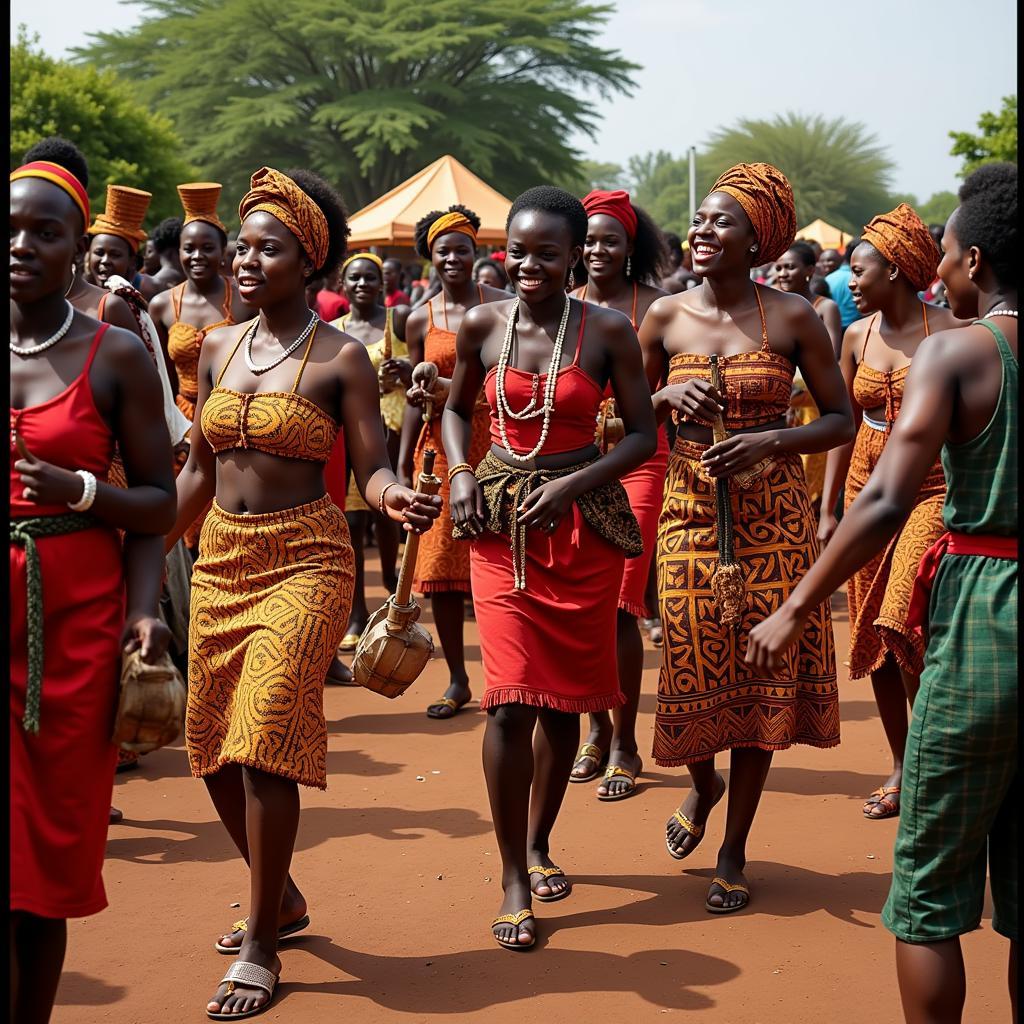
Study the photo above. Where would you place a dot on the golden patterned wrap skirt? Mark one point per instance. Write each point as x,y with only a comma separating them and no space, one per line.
271,596
709,699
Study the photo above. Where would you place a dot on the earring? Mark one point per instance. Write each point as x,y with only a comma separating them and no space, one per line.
753,248
572,280
970,274
629,266
74,272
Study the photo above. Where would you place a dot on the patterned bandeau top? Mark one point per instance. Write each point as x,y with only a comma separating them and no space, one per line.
882,388
185,340
281,423
757,384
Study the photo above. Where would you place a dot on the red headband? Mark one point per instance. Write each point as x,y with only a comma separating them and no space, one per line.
615,204
59,176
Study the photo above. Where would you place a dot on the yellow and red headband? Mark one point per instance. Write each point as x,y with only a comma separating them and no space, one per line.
275,193
371,256
59,176
449,222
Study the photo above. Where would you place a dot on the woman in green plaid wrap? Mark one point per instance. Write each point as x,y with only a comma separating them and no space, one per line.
960,784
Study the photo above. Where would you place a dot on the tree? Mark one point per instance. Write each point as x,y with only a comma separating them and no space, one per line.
997,139
367,94
837,170
594,174
938,208
123,142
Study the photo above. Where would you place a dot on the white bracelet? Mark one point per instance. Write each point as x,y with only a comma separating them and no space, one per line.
84,503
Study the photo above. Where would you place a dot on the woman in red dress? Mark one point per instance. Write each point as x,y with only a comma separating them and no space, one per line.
77,596
550,526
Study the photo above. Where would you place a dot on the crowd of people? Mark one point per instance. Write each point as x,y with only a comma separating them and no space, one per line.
700,439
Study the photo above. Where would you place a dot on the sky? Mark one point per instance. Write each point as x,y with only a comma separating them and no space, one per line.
909,70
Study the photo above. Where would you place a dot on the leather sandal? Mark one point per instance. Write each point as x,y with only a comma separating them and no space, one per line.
726,887
697,831
593,751
556,895
250,976
890,807
514,919
617,771
349,642
283,932
445,702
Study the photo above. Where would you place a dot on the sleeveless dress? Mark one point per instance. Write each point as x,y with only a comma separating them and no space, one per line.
62,778
271,594
879,593
960,802
709,698
443,563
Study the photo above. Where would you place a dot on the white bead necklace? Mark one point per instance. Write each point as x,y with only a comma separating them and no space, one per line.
255,367
530,411
34,350
1000,312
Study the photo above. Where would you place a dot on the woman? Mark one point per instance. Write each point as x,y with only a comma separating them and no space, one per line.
78,387
184,315
959,793
550,527
448,240
887,269
380,329
624,251
794,272
271,588
116,234
708,699
490,272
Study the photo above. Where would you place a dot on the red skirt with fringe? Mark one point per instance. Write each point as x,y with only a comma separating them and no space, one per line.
551,645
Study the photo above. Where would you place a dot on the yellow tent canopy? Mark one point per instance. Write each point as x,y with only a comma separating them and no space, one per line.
390,220
825,235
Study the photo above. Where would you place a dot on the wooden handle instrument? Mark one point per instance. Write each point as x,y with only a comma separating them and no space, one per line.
427,374
385,356
727,580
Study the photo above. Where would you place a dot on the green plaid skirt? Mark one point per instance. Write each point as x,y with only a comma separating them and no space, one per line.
959,801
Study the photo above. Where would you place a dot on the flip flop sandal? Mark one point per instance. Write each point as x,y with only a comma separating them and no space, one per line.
614,771
593,751
549,873
249,976
514,919
891,808
446,702
284,932
727,887
697,831
349,642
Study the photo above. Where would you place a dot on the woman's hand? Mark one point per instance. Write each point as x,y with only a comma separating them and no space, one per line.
694,398
545,507
739,452
827,524
416,512
466,501
395,373
769,640
44,483
147,635
418,394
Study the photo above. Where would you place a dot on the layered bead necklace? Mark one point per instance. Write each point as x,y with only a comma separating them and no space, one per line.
34,350
255,367
531,410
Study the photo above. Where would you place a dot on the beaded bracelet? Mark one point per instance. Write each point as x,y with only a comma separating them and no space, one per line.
380,497
462,467
84,503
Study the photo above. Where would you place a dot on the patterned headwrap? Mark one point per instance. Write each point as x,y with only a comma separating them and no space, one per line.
615,204
447,222
125,210
59,176
904,239
766,196
279,196
371,256
199,201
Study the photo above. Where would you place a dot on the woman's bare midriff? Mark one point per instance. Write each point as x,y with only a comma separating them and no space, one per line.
700,434
255,483
561,460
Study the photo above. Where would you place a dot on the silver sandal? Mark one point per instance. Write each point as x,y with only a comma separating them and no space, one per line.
251,976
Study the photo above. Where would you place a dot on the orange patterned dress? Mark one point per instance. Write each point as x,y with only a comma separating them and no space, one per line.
879,593
183,344
443,563
709,698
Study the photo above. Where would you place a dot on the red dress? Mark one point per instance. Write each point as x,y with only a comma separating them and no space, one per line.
551,645
62,779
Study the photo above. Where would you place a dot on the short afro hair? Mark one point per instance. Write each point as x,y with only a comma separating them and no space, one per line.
556,201
62,153
495,265
166,235
649,262
804,253
987,217
422,228
333,209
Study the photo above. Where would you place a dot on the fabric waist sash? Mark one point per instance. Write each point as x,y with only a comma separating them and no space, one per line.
23,534
950,543
605,509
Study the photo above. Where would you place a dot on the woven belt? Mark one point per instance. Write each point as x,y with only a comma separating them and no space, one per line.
23,534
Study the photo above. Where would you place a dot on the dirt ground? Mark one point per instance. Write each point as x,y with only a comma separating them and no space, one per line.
399,865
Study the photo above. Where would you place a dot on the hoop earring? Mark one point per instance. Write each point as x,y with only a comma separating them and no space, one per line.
74,273
629,267
572,280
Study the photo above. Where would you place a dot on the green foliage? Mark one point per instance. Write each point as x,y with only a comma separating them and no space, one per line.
123,142
996,140
938,208
367,94
837,170
594,174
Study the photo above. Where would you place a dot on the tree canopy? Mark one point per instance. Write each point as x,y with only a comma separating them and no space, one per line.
995,140
122,141
367,94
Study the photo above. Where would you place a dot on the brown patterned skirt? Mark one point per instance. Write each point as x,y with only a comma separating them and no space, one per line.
879,593
271,596
709,699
